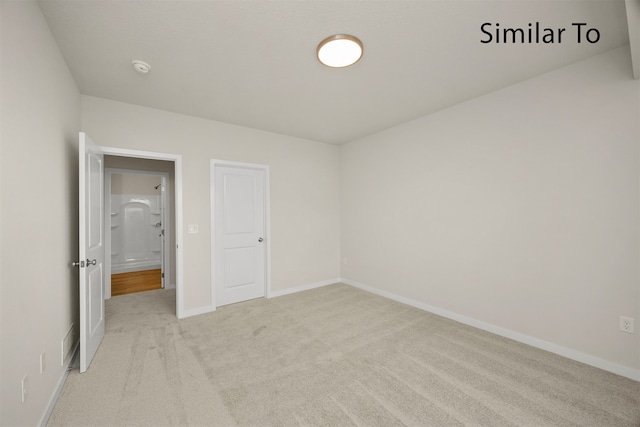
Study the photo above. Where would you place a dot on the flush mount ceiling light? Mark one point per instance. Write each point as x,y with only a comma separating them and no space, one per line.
340,50
141,66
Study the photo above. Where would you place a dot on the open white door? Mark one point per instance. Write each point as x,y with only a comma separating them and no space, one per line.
91,249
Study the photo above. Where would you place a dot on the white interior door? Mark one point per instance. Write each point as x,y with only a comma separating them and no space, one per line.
239,222
91,249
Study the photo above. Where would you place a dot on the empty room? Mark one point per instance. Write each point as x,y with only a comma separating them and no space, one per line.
366,213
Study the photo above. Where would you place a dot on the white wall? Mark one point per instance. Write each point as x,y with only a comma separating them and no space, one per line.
40,112
518,209
305,191
135,183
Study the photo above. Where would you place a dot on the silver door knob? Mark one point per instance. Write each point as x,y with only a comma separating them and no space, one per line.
260,239
91,262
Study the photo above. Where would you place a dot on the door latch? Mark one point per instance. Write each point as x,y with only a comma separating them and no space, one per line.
81,264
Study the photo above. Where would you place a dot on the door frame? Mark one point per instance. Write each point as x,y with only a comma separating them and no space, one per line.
215,163
177,220
166,224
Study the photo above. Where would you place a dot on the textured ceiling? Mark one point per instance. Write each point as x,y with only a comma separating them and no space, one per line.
252,63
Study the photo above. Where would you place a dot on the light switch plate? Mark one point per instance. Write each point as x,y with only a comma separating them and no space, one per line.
193,228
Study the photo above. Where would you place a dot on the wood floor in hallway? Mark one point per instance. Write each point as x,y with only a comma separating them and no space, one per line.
137,281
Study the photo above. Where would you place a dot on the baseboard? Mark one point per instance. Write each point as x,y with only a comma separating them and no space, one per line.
197,311
578,356
274,294
270,294
56,393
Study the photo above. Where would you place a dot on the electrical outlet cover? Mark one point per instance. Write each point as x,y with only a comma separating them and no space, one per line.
626,325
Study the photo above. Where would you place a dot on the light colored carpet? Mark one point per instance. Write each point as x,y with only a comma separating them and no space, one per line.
333,356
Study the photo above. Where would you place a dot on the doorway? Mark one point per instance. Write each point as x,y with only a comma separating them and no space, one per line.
138,227
167,168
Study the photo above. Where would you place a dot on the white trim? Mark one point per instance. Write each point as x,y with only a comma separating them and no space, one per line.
267,219
107,234
56,393
165,197
177,161
197,311
578,356
301,288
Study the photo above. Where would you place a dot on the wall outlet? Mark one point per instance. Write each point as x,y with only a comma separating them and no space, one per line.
43,362
626,325
25,387
193,228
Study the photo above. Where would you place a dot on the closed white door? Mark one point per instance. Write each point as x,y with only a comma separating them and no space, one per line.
239,223
91,249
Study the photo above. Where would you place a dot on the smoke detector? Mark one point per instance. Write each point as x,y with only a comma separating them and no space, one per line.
141,66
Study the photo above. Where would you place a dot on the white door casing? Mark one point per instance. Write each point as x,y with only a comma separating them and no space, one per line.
176,220
239,232
91,249
164,253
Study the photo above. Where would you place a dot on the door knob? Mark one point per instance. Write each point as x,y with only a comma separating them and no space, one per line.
260,239
91,262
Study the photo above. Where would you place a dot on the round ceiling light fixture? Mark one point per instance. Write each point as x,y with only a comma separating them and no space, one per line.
340,50
141,66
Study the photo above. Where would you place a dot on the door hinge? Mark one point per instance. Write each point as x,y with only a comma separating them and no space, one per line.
163,275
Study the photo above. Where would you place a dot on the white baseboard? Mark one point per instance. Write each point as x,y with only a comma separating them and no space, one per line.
197,311
270,294
274,294
578,356
56,393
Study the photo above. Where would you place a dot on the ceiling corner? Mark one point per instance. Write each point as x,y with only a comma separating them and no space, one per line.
633,22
